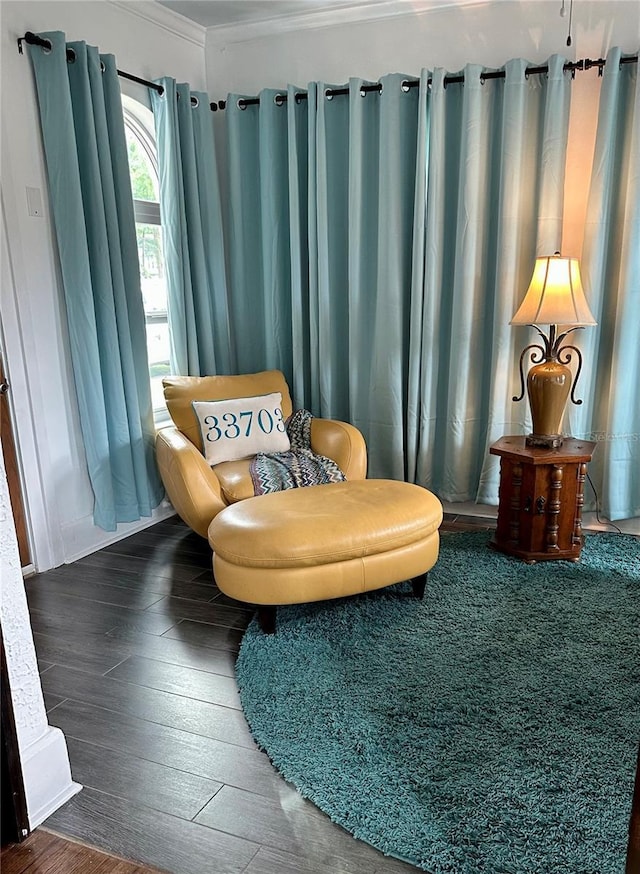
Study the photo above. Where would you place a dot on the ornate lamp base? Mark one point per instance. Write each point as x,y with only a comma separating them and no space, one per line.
548,387
545,441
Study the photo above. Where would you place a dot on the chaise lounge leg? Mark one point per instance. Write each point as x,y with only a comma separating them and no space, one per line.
418,584
267,618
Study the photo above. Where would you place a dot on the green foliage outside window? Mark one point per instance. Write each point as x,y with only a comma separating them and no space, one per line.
149,251
141,179
143,187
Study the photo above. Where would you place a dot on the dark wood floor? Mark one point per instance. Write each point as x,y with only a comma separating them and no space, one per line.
46,853
136,648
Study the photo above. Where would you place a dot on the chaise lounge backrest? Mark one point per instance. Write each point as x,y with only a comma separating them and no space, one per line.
199,491
181,391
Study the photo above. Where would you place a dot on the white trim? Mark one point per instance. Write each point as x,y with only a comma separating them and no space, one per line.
470,508
147,212
165,18
79,533
44,761
228,34
47,776
45,544
140,122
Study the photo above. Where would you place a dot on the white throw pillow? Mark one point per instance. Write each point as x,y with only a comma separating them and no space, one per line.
241,427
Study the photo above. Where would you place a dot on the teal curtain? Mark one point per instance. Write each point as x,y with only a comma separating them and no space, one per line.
398,237
198,312
92,206
495,182
366,175
322,200
300,153
259,239
610,265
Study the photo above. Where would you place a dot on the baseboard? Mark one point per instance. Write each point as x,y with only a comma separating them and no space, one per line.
464,509
83,538
47,776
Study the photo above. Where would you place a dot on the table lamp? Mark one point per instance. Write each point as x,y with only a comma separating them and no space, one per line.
555,297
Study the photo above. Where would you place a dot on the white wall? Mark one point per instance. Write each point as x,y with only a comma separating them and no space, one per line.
246,59
33,338
489,33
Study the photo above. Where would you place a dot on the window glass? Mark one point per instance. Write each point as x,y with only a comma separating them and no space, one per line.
143,168
144,175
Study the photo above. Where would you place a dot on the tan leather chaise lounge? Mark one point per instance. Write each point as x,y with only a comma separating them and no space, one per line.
328,541
199,492
302,544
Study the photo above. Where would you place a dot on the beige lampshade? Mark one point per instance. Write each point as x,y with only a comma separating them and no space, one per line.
555,295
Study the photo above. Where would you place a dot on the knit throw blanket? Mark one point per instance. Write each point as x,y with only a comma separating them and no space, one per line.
299,467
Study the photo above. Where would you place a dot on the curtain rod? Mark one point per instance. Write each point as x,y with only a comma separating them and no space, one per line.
33,39
407,84
571,66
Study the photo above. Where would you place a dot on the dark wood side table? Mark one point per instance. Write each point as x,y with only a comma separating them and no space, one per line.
540,499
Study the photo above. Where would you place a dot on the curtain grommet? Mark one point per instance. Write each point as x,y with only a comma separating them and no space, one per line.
71,56
241,104
328,94
195,101
405,87
278,99
102,67
48,48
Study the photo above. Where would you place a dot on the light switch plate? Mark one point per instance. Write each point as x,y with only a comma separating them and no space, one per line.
34,202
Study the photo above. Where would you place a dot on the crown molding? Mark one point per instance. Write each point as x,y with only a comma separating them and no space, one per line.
165,18
227,34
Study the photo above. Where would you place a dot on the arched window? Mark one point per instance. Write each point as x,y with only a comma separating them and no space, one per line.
143,169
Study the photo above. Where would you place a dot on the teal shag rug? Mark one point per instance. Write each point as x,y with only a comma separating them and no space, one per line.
492,727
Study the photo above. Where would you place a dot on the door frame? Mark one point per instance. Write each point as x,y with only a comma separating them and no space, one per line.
16,348
15,819
12,468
